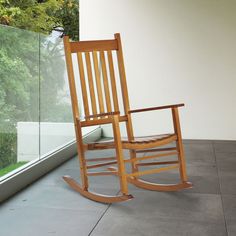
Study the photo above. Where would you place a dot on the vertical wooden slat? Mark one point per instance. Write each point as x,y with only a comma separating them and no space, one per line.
71,78
105,81
98,82
83,84
74,101
91,85
113,81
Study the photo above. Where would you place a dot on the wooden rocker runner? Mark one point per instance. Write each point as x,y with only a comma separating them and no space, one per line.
98,82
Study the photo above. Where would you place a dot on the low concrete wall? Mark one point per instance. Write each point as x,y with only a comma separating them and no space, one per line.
36,139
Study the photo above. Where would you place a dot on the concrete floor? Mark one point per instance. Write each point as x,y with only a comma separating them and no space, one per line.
50,207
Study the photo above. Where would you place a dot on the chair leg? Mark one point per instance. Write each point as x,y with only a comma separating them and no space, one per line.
130,134
181,158
119,155
81,157
179,145
83,188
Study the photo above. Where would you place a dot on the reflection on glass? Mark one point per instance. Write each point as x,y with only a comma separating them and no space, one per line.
56,121
19,98
35,107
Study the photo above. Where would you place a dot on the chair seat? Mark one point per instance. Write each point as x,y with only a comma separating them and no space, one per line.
138,142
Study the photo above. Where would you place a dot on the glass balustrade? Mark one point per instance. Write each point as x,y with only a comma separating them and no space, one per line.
35,107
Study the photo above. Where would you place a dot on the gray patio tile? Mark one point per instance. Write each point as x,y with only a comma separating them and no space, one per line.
175,205
202,170
144,225
226,164
54,197
73,163
224,146
50,207
227,183
199,153
54,178
231,227
40,221
197,141
227,175
226,161
229,204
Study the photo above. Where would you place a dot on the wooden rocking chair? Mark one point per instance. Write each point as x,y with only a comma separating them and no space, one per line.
103,87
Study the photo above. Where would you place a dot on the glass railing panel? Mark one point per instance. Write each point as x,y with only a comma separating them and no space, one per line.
35,105
19,98
56,120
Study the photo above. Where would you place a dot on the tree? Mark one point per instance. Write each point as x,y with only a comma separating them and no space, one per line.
31,63
19,55
42,16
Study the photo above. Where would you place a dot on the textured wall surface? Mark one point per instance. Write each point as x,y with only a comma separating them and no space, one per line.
175,51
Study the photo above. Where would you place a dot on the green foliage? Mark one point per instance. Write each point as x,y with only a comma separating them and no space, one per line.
14,95
19,74
69,16
8,149
42,16
32,64
7,12
52,104
11,167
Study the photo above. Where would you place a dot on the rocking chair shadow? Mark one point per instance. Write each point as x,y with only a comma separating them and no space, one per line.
98,81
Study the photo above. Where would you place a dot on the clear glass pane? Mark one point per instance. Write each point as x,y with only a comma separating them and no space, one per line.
56,121
35,105
19,98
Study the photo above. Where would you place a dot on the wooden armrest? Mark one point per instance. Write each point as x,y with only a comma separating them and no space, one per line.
156,108
103,114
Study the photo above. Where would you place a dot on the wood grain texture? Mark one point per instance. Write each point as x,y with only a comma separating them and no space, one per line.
75,111
119,155
83,83
151,157
101,164
113,80
156,108
179,144
105,81
159,187
95,45
91,84
95,196
98,82
152,171
105,109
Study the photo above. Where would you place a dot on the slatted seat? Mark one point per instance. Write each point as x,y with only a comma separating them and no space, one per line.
136,143
99,77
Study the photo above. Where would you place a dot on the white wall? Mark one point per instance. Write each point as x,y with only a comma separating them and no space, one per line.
175,51
31,143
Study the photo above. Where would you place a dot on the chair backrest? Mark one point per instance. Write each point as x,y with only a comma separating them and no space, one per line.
98,77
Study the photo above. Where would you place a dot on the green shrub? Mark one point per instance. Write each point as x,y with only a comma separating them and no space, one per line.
8,149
